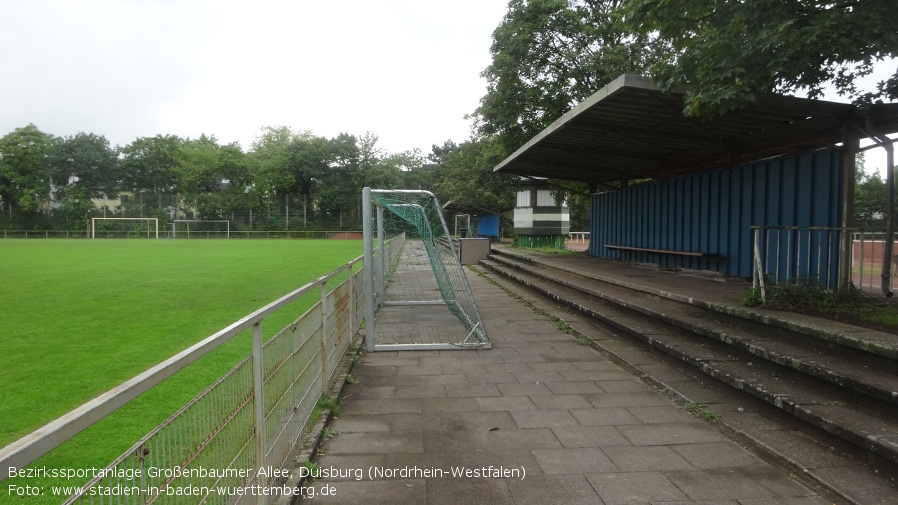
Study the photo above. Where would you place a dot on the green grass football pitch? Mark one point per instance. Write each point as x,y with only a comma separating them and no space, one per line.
78,317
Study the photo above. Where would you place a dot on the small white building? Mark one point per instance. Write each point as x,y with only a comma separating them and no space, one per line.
538,220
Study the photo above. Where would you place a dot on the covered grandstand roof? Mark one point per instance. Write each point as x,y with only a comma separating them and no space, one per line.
630,129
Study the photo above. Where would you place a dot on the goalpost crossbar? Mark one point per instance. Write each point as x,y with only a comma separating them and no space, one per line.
93,223
188,221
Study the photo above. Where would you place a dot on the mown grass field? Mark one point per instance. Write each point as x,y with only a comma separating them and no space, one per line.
78,317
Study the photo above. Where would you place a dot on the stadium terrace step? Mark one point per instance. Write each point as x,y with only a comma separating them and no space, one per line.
844,390
869,341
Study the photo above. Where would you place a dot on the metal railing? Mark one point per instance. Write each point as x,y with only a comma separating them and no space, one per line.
796,255
867,255
251,418
578,236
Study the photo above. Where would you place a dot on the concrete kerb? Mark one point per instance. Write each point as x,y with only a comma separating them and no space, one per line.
834,332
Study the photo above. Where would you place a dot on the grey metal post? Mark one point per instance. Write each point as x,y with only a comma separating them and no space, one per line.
382,254
351,334
259,404
324,368
850,146
368,272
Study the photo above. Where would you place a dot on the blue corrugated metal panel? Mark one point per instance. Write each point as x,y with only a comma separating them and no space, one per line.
488,225
713,213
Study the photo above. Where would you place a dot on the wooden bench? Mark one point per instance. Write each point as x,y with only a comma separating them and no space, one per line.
700,255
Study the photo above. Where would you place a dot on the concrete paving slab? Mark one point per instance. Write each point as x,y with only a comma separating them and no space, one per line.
573,387
560,401
377,443
644,398
506,403
657,414
632,458
452,421
715,455
492,441
864,487
686,432
719,484
450,405
472,390
543,418
590,436
544,489
617,488
430,380
361,405
374,492
609,416
523,389
429,391
577,461
461,490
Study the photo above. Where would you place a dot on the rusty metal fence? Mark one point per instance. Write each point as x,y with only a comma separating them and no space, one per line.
252,418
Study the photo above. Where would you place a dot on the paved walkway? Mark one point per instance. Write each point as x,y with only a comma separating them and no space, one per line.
540,418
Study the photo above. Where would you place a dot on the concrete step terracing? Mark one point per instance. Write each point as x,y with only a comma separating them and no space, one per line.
848,391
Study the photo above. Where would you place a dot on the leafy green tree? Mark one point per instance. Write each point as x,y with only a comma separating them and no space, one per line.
272,152
727,52
312,156
337,193
466,178
25,170
197,169
85,166
148,165
236,169
870,196
199,177
549,55
86,160
417,172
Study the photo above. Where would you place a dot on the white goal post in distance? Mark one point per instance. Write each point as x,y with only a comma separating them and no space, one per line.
174,227
93,223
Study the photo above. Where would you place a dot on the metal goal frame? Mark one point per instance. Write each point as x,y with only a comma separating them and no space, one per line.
93,223
376,269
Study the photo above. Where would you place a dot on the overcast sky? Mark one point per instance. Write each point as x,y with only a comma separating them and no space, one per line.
406,70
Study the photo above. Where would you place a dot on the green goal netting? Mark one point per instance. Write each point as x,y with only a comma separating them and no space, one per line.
419,297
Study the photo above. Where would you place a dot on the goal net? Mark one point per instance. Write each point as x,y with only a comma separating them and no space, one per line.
196,228
416,291
124,227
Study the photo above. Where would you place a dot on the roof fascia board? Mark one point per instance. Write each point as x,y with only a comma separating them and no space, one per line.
625,80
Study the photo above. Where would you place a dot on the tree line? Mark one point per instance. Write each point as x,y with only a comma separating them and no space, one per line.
49,182
547,56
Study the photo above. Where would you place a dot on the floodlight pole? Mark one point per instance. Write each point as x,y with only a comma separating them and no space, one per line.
368,239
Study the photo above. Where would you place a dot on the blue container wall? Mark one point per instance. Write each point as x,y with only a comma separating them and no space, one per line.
488,225
713,212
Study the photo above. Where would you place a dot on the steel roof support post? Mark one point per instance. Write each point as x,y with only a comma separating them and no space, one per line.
888,144
851,143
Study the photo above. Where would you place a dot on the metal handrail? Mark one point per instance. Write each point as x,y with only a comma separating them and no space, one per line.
796,254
